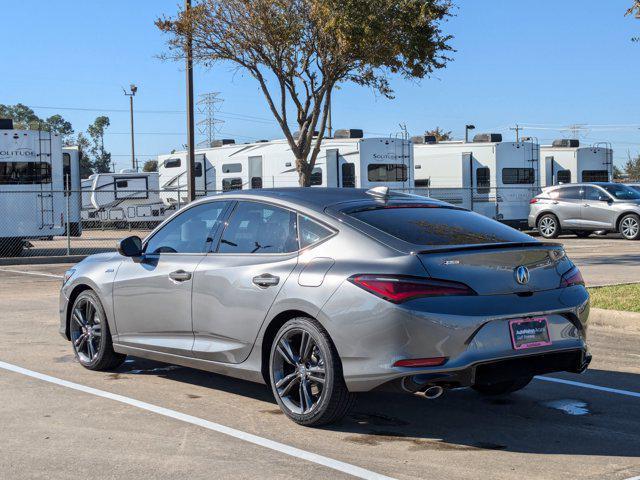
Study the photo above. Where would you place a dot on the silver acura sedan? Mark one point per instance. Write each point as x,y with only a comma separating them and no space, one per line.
323,293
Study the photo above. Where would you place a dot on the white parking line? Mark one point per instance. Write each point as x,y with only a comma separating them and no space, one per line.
628,393
347,468
31,273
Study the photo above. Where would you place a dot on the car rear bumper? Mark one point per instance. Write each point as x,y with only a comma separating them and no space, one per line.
472,333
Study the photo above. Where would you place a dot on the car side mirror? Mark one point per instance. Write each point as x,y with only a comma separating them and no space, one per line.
130,246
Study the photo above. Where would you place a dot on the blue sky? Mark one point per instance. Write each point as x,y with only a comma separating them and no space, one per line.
546,64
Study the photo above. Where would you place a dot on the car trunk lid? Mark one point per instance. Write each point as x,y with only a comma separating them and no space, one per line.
494,269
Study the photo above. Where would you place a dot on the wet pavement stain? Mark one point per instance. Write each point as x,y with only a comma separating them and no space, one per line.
65,359
375,438
274,411
115,376
191,395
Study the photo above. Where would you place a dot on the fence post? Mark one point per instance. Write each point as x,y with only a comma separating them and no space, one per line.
68,197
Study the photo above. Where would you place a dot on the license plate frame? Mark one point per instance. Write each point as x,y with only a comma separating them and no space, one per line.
539,338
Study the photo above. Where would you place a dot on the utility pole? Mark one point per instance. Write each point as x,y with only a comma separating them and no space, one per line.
133,89
191,180
517,129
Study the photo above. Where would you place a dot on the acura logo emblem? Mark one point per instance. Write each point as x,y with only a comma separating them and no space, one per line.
522,275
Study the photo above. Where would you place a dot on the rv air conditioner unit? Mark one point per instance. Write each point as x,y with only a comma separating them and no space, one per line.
6,124
296,135
566,143
430,139
487,138
349,133
223,141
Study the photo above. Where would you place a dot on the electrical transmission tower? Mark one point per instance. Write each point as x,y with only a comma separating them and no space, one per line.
208,105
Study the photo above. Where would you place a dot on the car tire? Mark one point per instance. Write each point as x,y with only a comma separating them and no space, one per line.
305,373
549,226
582,233
503,388
90,335
629,226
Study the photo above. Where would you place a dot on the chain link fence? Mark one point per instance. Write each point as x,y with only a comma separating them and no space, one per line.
50,223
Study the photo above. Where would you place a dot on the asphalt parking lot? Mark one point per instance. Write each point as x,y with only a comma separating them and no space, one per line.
201,425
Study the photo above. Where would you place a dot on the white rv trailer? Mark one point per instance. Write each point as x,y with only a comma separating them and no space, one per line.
565,161
350,161
34,199
491,177
127,197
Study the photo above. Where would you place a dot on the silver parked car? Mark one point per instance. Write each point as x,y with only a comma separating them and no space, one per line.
322,293
585,208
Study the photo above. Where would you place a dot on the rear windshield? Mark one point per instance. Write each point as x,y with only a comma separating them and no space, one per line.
438,226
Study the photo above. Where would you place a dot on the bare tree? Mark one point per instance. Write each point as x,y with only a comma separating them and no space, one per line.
299,50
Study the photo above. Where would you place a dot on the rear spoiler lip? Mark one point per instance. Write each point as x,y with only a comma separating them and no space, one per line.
488,246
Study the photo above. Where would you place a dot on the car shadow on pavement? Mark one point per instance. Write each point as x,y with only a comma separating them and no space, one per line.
530,421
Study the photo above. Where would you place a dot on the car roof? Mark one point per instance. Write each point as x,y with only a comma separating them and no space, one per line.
318,199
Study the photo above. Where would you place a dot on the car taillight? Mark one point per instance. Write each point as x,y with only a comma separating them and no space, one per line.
398,288
572,277
533,200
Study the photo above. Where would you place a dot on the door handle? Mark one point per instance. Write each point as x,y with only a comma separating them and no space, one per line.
266,280
180,276
586,205
555,203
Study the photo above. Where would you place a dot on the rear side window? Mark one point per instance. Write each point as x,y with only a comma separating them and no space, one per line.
387,172
518,176
438,226
567,193
311,232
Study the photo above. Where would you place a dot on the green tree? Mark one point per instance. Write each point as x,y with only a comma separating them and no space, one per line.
440,135
150,166
632,168
24,118
300,50
86,165
101,159
59,125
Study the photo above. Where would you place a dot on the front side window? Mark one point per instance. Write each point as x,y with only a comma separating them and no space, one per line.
622,192
311,232
259,228
189,232
231,184
595,176
256,182
518,176
197,170
231,168
593,193
483,179
387,172
423,182
563,176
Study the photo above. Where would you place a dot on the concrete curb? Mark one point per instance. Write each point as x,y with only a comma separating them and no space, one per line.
41,260
614,319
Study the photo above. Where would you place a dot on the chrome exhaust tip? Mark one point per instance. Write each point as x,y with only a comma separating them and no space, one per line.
433,392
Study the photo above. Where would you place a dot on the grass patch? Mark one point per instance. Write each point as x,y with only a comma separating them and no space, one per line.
617,297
